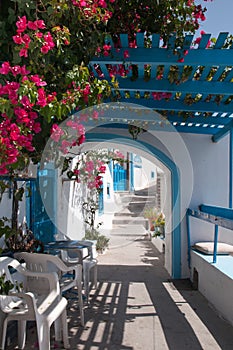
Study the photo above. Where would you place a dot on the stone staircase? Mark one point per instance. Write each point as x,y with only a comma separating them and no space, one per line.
133,205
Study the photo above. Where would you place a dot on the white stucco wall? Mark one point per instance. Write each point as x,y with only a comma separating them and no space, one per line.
6,206
69,209
210,169
145,172
203,173
210,162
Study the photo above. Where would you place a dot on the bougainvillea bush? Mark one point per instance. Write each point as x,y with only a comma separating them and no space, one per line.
44,52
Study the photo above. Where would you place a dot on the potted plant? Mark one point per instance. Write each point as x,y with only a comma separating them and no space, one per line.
151,213
101,241
159,224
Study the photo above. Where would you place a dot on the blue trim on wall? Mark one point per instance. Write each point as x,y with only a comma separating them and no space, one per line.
230,168
175,191
223,212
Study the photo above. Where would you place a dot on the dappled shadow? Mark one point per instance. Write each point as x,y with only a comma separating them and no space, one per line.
139,307
171,305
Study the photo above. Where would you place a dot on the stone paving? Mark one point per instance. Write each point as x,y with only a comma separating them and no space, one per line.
138,307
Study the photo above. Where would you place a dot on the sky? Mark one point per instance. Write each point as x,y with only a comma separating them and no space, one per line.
219,17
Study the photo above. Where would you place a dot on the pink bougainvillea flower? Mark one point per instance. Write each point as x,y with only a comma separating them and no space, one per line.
24,70
32,25
45,48
83,3
102,3
36,128
23,53
18,39
56,132
37,80
33,115
40,24
42,102
102,169
81,139
26,102
90,166
5,69
26,39
65,145
49,40
22,115
21,24
39,35
15,70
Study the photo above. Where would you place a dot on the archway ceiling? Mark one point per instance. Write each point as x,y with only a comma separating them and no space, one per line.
193,90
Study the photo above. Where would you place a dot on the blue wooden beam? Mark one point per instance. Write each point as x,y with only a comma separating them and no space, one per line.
211,218
205,57
223,212
192,87
173,117
219,135
216,215
179,105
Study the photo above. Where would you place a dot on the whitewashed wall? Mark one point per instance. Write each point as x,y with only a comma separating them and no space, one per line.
203,171
143,172
204,179
6,206
69,209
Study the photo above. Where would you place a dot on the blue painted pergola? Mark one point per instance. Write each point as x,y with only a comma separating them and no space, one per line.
195,95
190,86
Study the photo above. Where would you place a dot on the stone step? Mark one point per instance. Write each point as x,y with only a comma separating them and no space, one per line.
124,220
126,213
137,198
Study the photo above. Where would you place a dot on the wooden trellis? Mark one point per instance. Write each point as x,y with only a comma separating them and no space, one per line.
191,86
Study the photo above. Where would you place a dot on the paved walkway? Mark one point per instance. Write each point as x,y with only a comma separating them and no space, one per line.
137,306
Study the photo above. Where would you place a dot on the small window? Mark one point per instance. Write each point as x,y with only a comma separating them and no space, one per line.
152,175
108,190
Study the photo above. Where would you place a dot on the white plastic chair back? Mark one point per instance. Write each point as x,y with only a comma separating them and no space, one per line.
24,306
69,277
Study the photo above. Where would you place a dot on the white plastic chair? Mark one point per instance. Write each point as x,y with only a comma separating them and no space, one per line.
69,276
26,306
89,263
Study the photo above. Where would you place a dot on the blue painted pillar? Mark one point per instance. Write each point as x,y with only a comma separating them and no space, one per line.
231,168
131,173
188,237
215,243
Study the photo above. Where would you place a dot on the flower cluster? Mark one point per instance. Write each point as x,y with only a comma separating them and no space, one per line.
95,10
28,32
72,135
91,166
89,170
198,39
21,97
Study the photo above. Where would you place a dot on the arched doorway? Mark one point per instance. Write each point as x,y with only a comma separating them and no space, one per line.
147,148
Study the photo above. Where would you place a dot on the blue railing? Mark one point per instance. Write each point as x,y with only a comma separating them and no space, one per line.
218,216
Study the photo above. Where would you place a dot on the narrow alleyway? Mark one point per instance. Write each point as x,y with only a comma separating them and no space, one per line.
137,306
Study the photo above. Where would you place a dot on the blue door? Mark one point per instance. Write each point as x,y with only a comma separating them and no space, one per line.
101,200
119,178
41,217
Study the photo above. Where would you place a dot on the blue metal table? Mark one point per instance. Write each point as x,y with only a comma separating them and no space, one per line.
71,245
